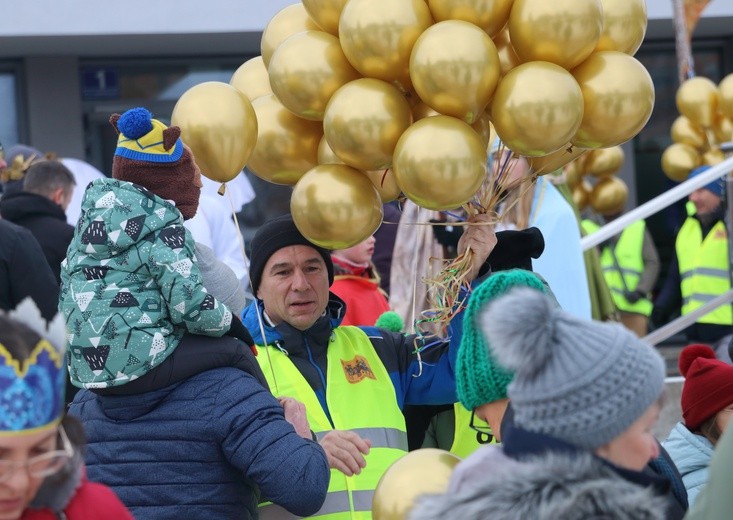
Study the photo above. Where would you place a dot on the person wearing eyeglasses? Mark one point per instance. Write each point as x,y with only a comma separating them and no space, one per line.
707,409
42,475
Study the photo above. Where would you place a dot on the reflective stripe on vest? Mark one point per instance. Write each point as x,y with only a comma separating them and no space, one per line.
465,439
704,269
628,251
361,398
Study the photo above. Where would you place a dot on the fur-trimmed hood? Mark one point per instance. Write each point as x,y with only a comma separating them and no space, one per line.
546,487
57,490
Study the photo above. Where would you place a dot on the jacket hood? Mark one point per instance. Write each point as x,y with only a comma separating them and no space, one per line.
17,206
690,452
127,408
547,487
332,318
116,215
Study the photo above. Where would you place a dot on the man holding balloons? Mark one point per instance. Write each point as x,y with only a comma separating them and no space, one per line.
353,381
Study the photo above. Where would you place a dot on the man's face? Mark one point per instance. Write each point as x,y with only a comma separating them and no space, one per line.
294,286
705,201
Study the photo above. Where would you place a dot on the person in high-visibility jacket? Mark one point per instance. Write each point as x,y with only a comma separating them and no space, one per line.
700,269
353,381
630,265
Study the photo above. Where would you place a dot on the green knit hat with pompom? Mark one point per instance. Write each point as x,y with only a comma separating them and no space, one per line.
479,379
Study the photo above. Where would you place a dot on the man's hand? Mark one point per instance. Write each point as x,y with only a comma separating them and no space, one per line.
345,451
481,239
295,415
633,296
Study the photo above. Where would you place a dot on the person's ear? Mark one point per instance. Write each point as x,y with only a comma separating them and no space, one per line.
58,196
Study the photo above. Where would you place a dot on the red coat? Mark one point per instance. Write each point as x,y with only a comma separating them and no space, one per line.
365,300
90,502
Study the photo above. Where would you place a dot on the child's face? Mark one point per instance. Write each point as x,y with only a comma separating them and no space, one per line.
361,253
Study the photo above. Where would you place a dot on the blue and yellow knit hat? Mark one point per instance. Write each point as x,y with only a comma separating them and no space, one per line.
142,138
479,378
31,388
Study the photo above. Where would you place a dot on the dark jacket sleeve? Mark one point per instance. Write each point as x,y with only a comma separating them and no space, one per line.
670,296
30,275
290,471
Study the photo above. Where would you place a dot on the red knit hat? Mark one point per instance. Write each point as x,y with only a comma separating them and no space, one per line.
708,385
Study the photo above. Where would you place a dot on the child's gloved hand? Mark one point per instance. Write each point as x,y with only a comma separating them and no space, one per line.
239,331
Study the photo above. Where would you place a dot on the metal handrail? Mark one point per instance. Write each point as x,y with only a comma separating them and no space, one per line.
656,204
653,206
681,323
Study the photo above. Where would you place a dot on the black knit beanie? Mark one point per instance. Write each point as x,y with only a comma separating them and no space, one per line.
272,236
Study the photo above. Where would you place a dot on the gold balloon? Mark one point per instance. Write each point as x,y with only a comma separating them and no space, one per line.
286,22
440,162
574,173
335,206
604,162
422,471
306,70
537,108
219,125
678,160
251,79
458,79
723,129
697,99
421,111
386,184
508,58
489,15
555,160
363,121
686,132
325,13
287,145
624,26
713,157
377,36
581,194
609,196
564,32
726,96
383,180
484,128
618,95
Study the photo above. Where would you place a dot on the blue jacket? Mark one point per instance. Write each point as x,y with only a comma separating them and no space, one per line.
200,448
691,454
427,379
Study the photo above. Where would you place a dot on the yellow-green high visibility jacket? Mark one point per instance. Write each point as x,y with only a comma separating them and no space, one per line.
360,398
704,269
467,440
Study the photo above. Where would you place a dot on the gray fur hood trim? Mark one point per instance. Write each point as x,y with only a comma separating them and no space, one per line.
550,487
57,490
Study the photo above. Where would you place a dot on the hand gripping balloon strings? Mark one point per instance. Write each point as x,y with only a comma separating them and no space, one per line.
449,290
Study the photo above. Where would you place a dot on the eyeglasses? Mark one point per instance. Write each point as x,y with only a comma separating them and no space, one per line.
41,466
481,428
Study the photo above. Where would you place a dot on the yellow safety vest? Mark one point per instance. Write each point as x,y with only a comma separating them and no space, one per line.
704,269
360,398
465,439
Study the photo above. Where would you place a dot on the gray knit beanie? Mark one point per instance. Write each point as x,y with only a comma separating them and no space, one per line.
581,381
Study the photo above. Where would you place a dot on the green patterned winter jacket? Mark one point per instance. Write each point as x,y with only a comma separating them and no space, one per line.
130,286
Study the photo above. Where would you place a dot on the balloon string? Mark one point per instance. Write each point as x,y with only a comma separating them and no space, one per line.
260,321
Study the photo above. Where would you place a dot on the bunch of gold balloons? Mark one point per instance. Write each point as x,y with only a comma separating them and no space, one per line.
404,93
705,122
607,194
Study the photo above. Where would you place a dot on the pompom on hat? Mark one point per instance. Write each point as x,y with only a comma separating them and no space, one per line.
479,378
581,381
708,386
152,155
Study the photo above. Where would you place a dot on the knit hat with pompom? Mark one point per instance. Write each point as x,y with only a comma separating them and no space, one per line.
581,381
708,385
479,378
153,156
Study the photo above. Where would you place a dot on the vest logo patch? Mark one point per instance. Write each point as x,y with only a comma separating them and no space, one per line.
721,234
357,370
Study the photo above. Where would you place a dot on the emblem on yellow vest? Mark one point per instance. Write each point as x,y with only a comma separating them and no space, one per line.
357,370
